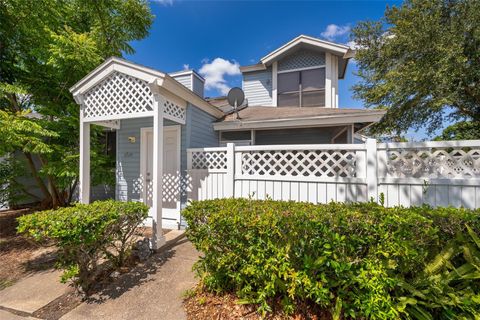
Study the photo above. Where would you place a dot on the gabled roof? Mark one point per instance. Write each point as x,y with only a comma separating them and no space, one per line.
163,81
304,42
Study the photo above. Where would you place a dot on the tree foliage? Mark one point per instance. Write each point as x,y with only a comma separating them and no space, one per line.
464,130
46,46
421,62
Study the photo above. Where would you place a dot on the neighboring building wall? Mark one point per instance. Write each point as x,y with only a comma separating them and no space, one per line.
258,87
101,192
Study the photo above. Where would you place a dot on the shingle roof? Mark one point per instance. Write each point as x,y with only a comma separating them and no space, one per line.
257,113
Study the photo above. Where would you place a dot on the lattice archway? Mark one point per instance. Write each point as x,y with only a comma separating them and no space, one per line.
118,94
123,96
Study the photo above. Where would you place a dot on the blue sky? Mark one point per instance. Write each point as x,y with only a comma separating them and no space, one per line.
215,37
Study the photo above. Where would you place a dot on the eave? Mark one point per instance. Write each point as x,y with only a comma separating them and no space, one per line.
318,121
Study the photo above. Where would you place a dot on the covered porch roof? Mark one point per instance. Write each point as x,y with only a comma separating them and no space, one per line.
119,89
294,117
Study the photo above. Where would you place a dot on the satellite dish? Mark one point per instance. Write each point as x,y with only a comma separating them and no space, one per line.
235,97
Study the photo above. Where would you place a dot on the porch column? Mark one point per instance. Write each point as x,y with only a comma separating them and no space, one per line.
158,238
84,177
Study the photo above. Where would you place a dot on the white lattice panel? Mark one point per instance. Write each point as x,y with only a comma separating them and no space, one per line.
302,59
307,163
174,111
209,160
434,163
118,94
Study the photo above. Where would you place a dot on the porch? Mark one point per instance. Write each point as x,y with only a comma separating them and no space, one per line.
148,110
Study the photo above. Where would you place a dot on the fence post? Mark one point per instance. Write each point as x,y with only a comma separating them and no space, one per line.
230,176
371,173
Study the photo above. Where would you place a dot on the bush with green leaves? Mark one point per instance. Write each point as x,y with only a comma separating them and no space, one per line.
352,259
86,236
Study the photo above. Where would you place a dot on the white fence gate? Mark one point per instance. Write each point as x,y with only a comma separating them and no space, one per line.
438,173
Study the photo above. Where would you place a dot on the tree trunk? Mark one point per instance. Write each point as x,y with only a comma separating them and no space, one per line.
57,199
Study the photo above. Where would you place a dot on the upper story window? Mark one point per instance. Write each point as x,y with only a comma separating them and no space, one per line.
304,88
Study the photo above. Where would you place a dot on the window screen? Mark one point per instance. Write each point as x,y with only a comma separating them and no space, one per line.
304,88
288,82
313,79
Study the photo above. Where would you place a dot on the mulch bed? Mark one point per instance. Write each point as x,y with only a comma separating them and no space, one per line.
19,256
60,306
209,306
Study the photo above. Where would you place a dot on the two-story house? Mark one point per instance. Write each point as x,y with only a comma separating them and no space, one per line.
291,98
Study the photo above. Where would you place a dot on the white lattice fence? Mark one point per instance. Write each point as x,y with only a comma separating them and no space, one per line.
306,163
436,173
208,160
433,162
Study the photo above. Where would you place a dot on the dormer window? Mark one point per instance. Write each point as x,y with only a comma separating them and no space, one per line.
301,88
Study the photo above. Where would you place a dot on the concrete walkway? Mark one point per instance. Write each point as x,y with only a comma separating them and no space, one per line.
33,292
150,291
153,291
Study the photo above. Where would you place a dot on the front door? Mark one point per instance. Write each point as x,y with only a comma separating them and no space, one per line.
171,172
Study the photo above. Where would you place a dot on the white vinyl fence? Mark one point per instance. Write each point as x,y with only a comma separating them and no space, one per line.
438,173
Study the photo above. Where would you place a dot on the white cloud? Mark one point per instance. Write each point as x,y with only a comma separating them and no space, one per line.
186,66
164,2
333,31
214,73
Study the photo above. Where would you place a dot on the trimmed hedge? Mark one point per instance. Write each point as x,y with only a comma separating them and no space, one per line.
87,234
360,260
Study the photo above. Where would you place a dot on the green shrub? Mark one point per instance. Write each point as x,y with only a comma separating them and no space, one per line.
353,257
87,234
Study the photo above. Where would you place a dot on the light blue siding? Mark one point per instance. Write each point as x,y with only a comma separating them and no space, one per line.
258,87
128,156
186,80
200,131
197,132
198,85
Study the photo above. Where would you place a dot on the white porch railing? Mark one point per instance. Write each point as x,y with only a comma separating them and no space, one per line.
437,173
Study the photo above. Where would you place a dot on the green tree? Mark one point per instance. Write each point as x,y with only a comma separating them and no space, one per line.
421,62
465,130
46,46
